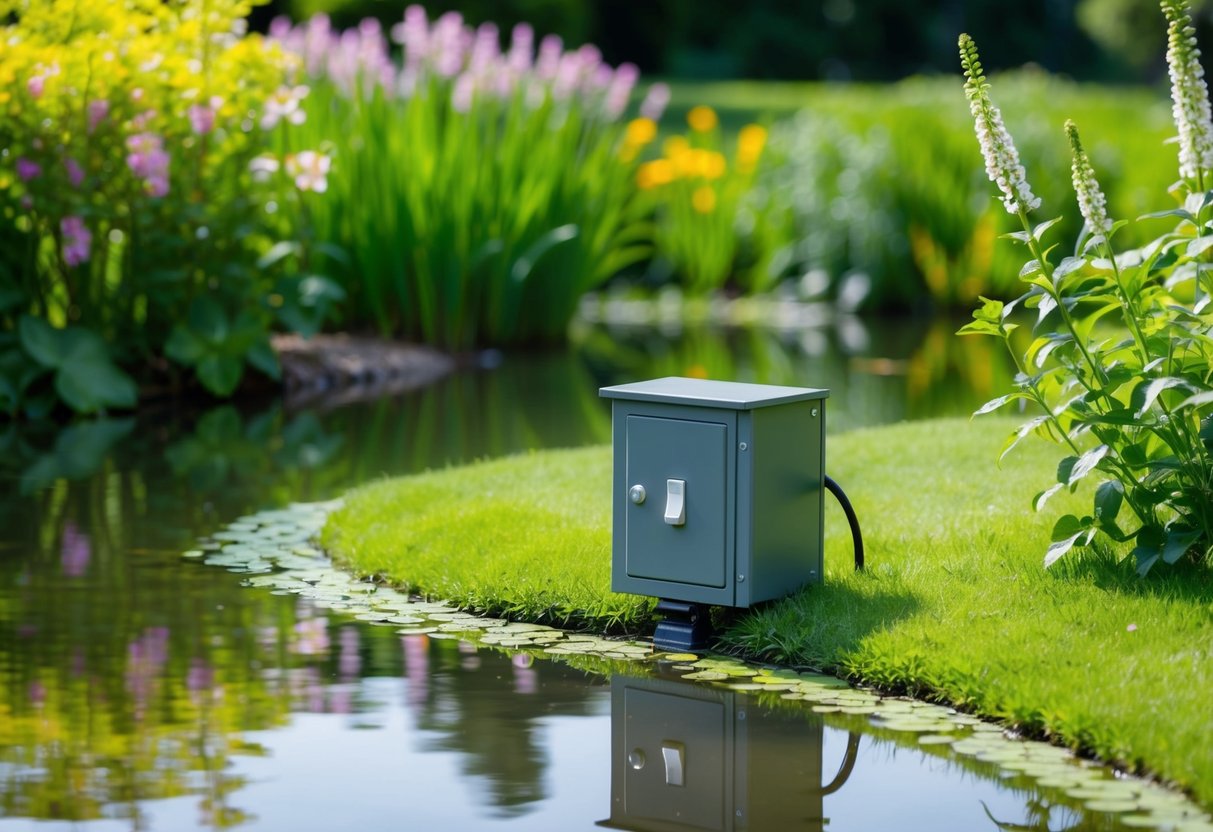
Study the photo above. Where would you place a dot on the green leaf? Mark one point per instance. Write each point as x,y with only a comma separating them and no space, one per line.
1199,246
1174,212
262,356
183,346
279,251
1019,433
207,320
981,328
43,342
1147,392
523,266
1068,532
1038,502
89,385
1108,499
1196,401
1041,228
994,404
220,373
316,289
1086,463
1178,541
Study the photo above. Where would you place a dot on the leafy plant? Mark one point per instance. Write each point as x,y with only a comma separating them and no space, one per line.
478,193
712,226
1120,364
131,190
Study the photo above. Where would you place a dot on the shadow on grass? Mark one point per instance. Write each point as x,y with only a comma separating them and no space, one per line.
816,626
1183,581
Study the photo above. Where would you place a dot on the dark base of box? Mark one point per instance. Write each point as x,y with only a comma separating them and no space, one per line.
686,626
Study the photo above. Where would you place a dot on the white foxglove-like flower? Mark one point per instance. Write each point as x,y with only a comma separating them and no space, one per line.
1189,93
1002,159
1091,200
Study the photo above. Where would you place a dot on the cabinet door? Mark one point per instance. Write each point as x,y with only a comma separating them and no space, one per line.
677,531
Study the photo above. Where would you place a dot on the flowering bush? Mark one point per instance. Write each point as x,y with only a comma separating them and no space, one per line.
1132,401
129,217
711,224
482,191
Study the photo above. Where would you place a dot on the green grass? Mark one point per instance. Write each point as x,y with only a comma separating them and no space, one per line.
954,605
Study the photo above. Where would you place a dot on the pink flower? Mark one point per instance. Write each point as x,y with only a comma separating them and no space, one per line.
75,549
28,169
202,118
149,161
35,85
655,101
77,243
1132,628
97,110
262,167
284,104
310,170
75,173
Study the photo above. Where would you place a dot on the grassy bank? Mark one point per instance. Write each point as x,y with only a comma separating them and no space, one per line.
954,606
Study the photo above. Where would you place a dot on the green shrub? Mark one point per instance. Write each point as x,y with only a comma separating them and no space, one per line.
1130,400
130,225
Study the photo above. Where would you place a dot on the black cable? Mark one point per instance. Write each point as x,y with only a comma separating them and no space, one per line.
857,536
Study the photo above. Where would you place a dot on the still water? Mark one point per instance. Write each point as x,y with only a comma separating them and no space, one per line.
142,691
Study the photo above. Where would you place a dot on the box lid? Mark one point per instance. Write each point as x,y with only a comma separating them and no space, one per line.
698,392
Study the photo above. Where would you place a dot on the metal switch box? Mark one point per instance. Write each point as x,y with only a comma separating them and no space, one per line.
718,489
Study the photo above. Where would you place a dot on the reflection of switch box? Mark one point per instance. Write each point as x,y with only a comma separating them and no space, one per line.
731,481
756,772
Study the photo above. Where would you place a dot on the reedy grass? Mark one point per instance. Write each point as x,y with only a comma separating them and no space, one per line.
880,176
954,606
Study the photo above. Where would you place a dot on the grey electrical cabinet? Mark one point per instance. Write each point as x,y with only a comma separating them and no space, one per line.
690,757
718,489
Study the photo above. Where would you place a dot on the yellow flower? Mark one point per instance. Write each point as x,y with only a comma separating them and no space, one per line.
703,199
640,131
675,146
702,119
750,143
711,164
655,173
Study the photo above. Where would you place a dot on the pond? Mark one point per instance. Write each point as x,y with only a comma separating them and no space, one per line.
143,690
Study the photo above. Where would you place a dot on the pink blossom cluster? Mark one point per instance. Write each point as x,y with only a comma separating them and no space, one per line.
149,161
469,61
77,240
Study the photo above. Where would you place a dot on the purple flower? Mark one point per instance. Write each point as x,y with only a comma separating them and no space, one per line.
97,110
202,118
75,550
77,245
655,101
620,90
75,173
462,93
28,169
149,161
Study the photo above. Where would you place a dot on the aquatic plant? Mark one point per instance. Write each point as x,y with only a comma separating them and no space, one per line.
711,225
477,192
1119,369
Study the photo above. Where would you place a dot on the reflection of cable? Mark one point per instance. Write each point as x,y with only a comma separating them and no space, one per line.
848,765
857,536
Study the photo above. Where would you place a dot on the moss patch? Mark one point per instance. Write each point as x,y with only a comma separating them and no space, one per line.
954,605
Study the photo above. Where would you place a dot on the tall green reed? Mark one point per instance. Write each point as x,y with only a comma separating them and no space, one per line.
477,193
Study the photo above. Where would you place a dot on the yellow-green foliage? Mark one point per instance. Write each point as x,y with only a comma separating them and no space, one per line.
954,605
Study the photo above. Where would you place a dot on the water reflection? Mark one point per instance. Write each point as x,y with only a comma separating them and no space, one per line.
687,757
